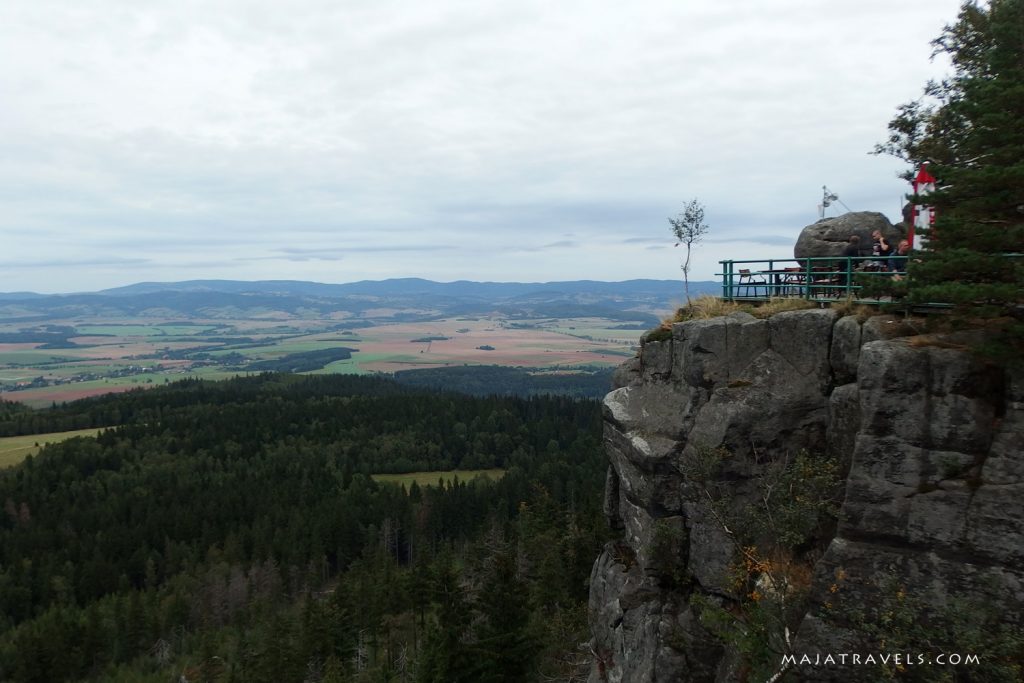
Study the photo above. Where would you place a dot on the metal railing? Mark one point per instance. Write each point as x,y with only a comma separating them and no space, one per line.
815,278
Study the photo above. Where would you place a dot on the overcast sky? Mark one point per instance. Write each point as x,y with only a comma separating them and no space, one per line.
518,140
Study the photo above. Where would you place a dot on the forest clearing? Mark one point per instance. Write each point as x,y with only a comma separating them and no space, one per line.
432,478
14,449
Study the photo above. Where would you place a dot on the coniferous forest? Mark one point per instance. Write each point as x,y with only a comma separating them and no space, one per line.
232,532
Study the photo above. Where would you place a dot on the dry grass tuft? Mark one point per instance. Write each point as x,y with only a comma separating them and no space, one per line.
662,332
926,340
773,306
704,307
707,306
847,307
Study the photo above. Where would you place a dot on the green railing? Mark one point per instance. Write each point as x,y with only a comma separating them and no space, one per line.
816,279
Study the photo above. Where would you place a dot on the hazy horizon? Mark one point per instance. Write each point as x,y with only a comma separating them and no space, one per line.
509,142
678,281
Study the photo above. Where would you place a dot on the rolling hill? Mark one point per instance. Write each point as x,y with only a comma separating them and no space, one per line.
406,299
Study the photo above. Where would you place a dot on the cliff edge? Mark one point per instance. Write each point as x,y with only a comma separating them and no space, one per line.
916,451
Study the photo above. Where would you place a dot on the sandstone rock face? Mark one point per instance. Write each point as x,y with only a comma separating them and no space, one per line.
829,236
930,442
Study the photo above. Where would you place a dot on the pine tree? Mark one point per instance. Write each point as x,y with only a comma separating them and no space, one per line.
444,658
968,127
505,646
333,671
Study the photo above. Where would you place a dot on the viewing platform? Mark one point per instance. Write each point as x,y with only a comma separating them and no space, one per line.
815,279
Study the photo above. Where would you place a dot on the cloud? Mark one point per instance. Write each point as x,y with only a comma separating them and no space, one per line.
296,258
304,254
75,263
290,137
368,249
771,240
561,244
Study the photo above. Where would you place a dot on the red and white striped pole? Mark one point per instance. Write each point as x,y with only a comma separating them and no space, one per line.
924,215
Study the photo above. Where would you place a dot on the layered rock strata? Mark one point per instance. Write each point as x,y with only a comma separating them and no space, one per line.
928,439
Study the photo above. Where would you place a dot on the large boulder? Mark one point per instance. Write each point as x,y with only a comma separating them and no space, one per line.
828,236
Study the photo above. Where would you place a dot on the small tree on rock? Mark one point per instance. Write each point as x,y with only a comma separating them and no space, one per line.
689,228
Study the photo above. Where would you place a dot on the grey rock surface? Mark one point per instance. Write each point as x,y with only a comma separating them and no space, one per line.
828,236
845,352
929,440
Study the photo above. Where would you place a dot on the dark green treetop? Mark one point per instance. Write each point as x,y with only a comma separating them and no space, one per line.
969,128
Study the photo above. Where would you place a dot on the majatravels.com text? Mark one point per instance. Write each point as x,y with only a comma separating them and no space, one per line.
874,659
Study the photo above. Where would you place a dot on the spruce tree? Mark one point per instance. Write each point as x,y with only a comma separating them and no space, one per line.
445,658
333,671
505,647
968,128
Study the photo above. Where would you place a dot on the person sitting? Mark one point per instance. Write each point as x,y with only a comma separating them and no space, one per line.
899,265
852,248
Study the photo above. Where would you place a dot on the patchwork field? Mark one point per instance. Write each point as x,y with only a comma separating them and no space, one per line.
388,348
78,358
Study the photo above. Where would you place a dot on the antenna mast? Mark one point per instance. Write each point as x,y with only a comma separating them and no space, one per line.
827,197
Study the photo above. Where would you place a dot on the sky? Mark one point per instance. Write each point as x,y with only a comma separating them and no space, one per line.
336,141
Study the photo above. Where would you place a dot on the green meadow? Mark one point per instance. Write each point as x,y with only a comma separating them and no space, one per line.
283,348
14,449
143,330
30,357
340,367
431,478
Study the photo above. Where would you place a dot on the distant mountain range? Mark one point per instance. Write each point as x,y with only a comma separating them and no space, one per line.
405,299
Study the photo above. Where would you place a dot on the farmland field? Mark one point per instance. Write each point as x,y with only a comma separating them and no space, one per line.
96,356
486,341
14,449
145,330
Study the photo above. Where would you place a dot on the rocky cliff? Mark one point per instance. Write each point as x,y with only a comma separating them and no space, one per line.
926,446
